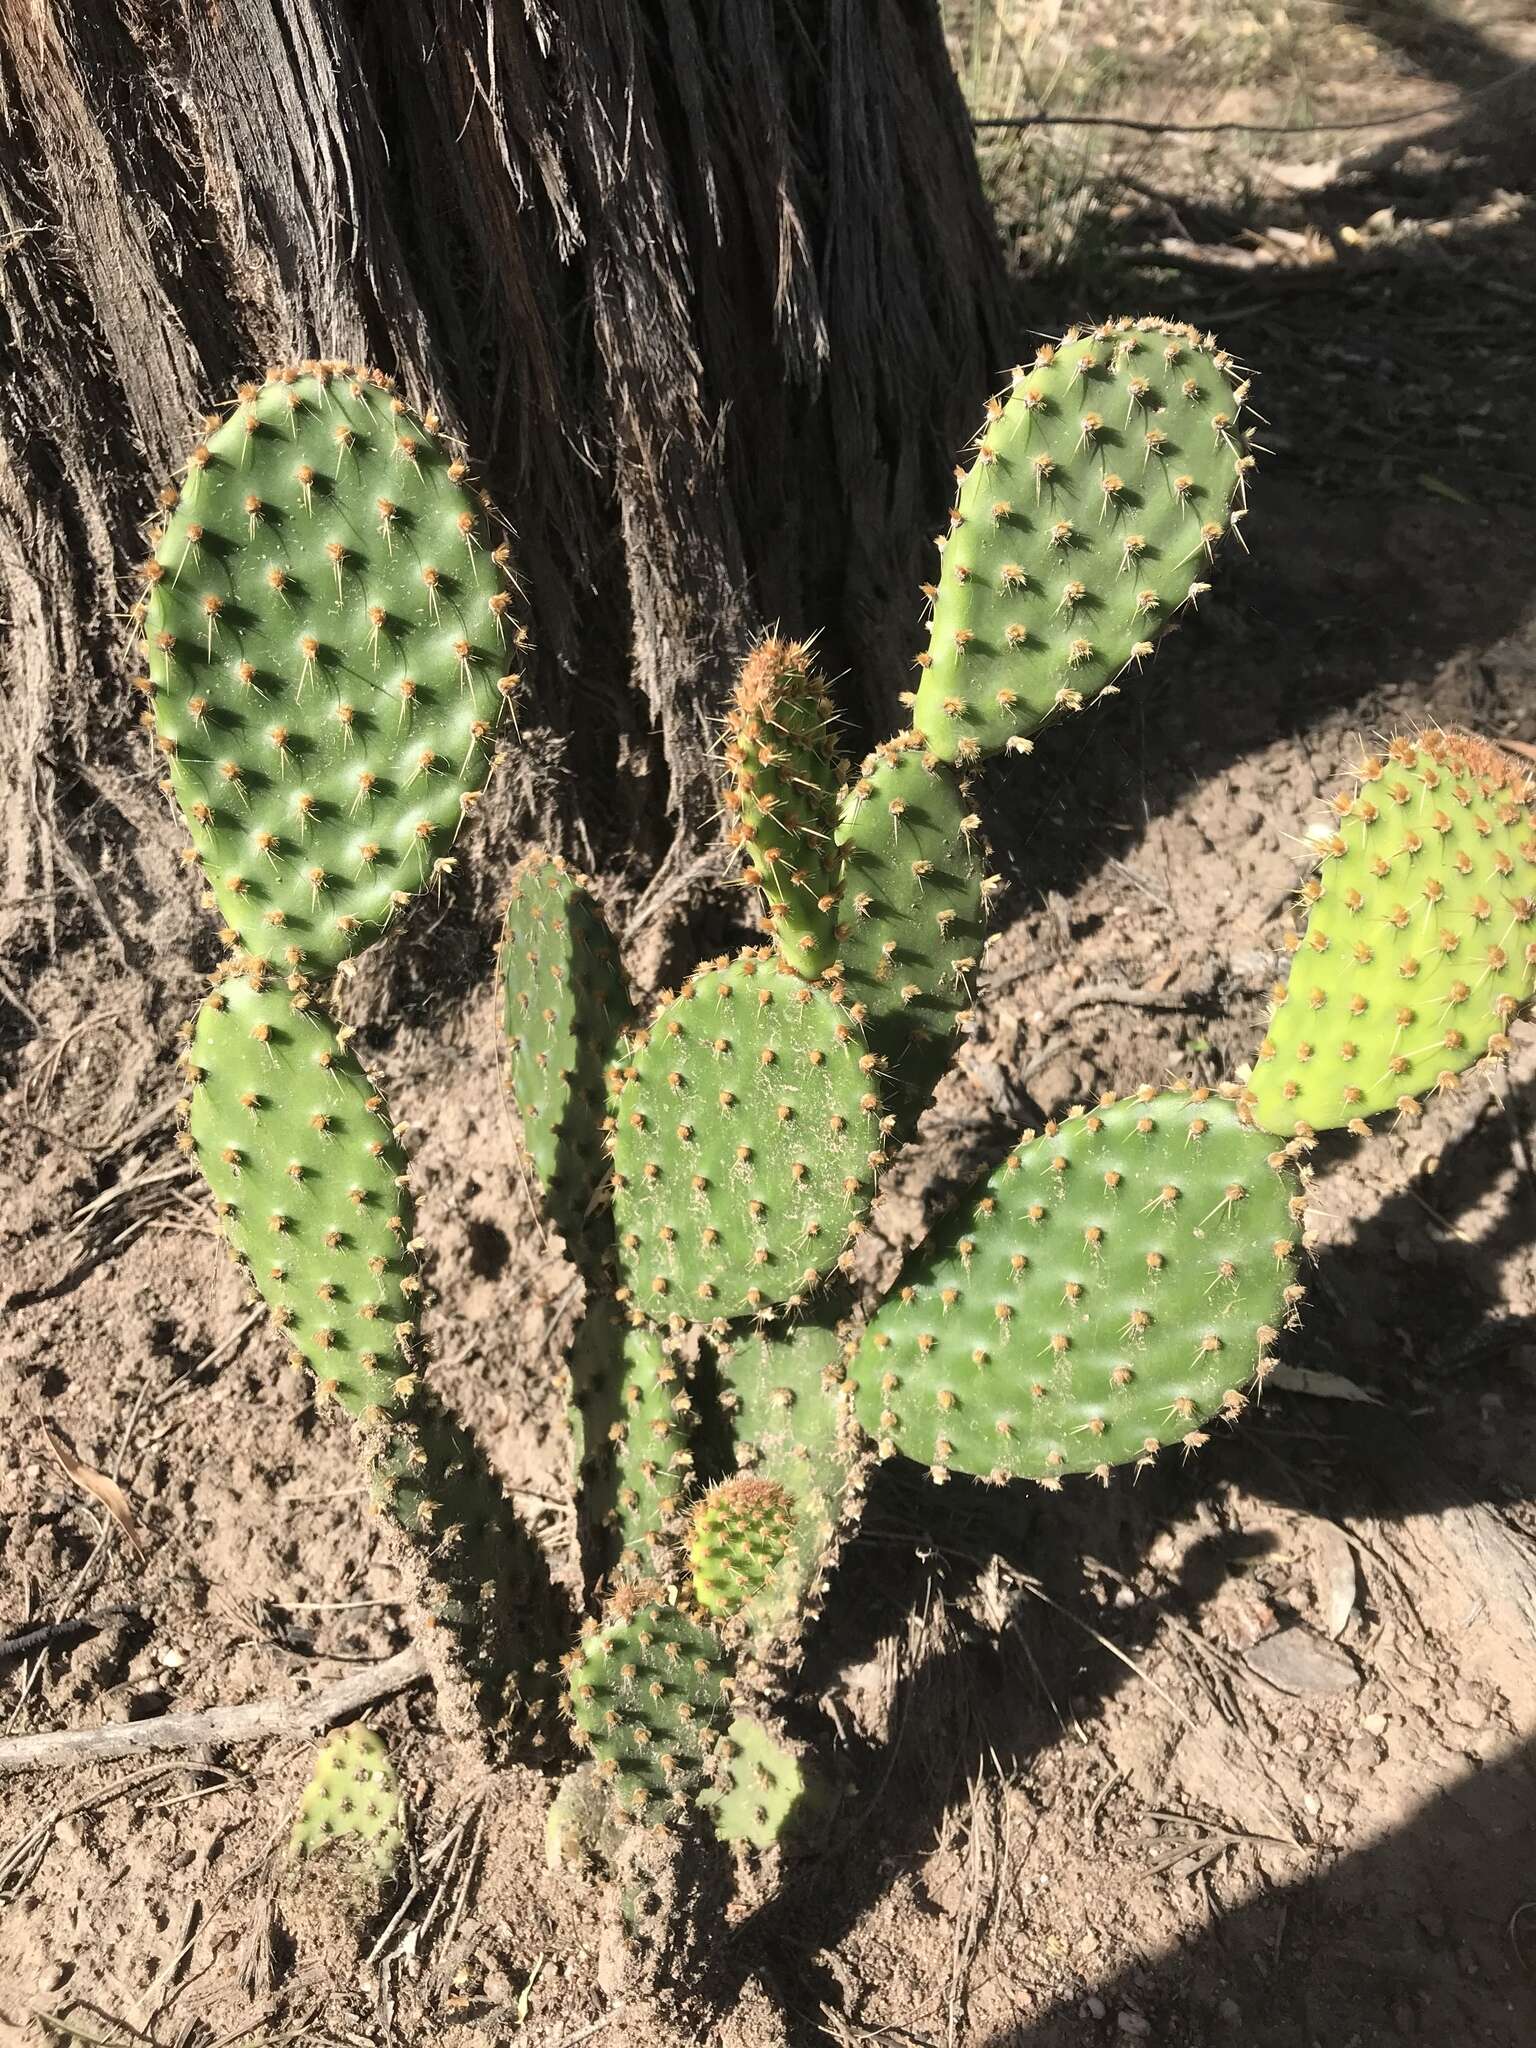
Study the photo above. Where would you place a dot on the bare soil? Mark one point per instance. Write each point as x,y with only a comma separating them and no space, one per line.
1240,1752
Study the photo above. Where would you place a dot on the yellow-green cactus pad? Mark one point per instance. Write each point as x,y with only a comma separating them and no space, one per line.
331,639
782,799
739,1533
350,1812
747,1137
1419,941
1120,1279
1101,485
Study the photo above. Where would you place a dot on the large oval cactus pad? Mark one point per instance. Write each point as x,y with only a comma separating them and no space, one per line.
1120,1279
1091,511
330,640
746,1142
1419,946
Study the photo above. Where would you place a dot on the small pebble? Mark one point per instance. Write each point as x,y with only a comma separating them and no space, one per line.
1230,2011
1312,1803
1374,1724
51,1976
172,1659
1132,2023
1094,2007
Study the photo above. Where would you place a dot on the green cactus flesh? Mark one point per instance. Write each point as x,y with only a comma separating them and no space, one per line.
912,929
329,637
632,1427
763,1795
649,1696
1420,940
563,1004
781,1386
1120,1280
746,1142
1091,511
739,1533
309,1182
782,796
350,1811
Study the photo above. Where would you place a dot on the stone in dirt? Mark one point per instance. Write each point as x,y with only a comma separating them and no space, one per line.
1300,1662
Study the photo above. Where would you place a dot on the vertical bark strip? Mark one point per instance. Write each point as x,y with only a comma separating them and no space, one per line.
709,285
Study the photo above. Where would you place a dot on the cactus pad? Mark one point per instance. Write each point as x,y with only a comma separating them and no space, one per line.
1120,1279
649,1697
911,935
746,1142
632,1423
1091,511
330,641
1420,939
782,795
738,1535
763,1795
350,1811
309,1182
563,1004
780,1386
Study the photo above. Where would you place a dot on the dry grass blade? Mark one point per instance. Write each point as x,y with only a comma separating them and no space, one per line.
100,1488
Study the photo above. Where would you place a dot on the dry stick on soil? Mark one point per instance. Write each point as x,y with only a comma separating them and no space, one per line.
258,1721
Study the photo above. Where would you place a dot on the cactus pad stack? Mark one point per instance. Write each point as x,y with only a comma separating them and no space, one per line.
350,1811
1419,945
782,794
330,642
1099,491
746,1143
1120,1280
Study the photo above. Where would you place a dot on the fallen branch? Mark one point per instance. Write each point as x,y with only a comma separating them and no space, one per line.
258,1721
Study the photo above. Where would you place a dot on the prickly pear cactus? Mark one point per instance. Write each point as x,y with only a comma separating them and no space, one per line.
1419,940
782,794
738,1536
747,1138
564,1004
1121,1279
330,640
649,1697
911,930
763,1795
1099,491
631,1424
350,1813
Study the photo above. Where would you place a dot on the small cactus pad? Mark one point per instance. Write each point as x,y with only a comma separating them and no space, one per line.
1120,1279
911,935
780,1388
763,1795
631,1424
563,1004
782,798
738,1535
350,1810
649,1696
1419,945
309,1182
329,635
1091,511
746,1143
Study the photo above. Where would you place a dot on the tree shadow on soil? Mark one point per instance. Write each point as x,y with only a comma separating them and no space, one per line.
1414,1934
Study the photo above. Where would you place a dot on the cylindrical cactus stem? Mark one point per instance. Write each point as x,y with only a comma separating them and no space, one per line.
782,799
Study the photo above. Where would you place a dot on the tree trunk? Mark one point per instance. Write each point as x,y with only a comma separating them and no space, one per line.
709,287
